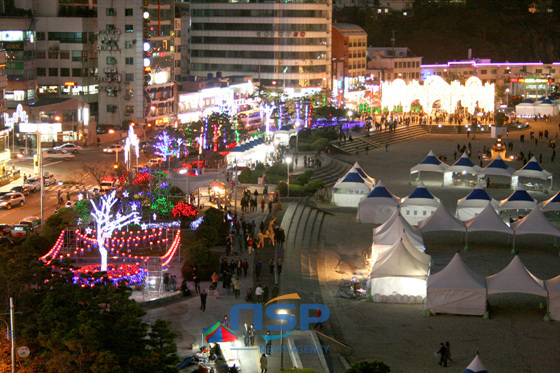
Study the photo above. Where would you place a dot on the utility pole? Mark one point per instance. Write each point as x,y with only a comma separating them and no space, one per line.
13,334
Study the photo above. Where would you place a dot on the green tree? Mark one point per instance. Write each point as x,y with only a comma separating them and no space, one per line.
375,366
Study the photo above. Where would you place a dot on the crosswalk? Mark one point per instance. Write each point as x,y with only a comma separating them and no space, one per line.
72,188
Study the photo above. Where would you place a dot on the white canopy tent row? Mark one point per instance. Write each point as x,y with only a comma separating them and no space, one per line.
250,152
456,290
350,189
546,107
378,206
385,236
419,205
473,204
430,164
463,165
534,223
497,168
399,274
487,221
531,170
526,108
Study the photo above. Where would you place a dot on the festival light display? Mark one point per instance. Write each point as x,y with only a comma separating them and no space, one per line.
472,95
184,209
106,221
118,274
168,146
132,141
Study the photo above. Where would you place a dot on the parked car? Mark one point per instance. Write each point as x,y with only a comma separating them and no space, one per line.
50,179
57,154
113,149
33,222
23,189
10,200
33,183
5,229
68,148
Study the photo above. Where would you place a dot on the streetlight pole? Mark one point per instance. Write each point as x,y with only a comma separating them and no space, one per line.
282,312
288,161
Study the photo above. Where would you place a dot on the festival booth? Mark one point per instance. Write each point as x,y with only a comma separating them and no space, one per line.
497,168
350,189
473,204
441,220
534,223
552,204
456,290
487,221
419,205
546,107
385,236
518,200
515,278
475,366
378,206
250,152
366,177
525,109
399,274
224,337
553,286
464,166
430,164
532,170
284,134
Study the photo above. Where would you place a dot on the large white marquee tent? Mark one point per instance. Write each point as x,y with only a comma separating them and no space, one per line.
379,205
463,165
515,278
518,200
497,168
441,220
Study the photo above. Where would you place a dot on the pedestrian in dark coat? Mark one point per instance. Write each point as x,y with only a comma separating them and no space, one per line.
203,297
442,352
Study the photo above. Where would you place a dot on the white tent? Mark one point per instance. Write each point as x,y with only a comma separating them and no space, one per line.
497,168
189,183
518,200
552,204
525,108
464,165
284,134
476,366
350,189
400,271
533,170
535,223
546,107
378,206
356,167
487,221
441,220
419,205
473,204
385,236
456,290
515,278
553,286
430,164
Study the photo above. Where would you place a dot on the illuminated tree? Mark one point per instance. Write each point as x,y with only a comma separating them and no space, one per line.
106,221
167,145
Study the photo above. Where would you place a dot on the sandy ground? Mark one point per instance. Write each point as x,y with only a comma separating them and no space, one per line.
515,338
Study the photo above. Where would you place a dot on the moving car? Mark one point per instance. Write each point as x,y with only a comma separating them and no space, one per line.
33,183
68,148
12,199
50,179
57,154
23,189
113,149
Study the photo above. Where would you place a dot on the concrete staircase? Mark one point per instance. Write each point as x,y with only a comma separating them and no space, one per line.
379,139
331,170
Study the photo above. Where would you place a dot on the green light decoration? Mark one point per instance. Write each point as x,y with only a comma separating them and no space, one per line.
160,207
83,208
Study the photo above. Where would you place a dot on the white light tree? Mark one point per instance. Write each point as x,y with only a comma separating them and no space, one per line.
268,108
132,141
107,221
168,146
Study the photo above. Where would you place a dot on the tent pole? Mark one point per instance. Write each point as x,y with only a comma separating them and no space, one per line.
466,240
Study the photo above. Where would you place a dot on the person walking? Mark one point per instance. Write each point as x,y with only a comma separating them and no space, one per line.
263,204
196,284
246,339
279,265
271,266
225,321
252,335
259,293
442,355
203,297
68,196
264,363
237,287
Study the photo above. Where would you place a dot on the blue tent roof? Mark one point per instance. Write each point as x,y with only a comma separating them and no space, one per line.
464,161
362,173
380,192
353,177
287,127
527,101
421,193
237,149
520,195
498,163
542,98
479,194
431,159
533,166
546,101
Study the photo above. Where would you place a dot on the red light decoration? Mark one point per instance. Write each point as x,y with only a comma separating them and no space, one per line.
184,209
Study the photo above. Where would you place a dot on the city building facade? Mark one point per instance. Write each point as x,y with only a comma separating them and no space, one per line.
349,44
5,154
390,63
280,43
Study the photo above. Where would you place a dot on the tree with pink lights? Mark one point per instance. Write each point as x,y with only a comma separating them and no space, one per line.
107,221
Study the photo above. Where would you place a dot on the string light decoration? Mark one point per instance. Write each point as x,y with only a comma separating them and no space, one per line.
118,274
106,221
184,210
168,146
131,141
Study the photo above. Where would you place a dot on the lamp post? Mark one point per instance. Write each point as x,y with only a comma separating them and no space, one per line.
282,312
507,97
288,161
10,334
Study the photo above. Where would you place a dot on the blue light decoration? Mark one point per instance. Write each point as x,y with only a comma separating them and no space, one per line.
204,144
196,223
298,112
307,114
160,225
167,146
118,274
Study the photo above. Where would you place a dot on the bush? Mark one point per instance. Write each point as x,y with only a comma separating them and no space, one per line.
246,176
313,186
320,144
207,235
282,189
304,178
197,254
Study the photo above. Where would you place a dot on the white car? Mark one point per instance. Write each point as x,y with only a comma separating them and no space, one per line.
68,148
33,183
12,199
50,179
57,154
113,149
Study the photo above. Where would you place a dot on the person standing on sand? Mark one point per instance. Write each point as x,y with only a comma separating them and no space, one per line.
442,355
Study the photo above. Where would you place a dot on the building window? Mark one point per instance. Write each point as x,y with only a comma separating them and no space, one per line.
53,71
41,54
64,55
64,71
129,60
129,12
538,71
396,65
130,110
129,77
109,27
111,60
53,55
128,44
483,72
552,71
493,72
128,28
110,12
111,108
77,72
41,71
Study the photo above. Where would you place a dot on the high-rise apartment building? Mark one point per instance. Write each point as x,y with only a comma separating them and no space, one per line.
4,131
136,61
283,43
